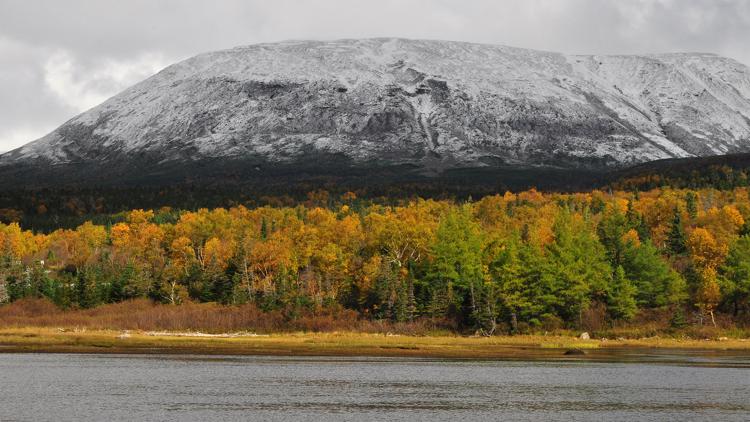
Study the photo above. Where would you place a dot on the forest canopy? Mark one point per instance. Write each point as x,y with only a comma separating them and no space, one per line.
519,261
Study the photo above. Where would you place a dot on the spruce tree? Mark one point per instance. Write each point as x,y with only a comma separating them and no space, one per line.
657,284
611,230
577,264
509,274
678,319
621,296
736,276
691,204
458,260
676,239
263,229
636,221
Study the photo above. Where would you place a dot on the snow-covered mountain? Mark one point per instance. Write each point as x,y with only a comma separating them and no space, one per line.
431,105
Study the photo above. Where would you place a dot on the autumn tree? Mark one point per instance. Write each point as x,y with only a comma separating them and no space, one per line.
707,254
530,259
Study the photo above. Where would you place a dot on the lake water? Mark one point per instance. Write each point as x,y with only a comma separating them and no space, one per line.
55,387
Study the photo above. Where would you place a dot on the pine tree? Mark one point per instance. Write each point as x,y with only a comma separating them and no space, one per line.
611,230
691,204
745,229
263,229
525,234
506,270
621,296
577,264
656,283
678,319
736,275
458,260
636,221
676,239
84,290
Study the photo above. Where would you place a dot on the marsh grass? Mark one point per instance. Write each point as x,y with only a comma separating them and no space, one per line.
38,325
36,339
143,314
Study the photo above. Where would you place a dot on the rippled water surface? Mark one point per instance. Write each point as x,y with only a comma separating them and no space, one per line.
54,387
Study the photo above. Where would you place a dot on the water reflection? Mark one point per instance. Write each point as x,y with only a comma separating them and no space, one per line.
633,385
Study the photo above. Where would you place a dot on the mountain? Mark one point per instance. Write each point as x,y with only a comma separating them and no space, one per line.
397,108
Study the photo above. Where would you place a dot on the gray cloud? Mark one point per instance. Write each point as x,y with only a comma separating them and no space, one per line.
60,58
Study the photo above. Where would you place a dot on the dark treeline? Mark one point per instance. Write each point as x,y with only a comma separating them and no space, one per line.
49,209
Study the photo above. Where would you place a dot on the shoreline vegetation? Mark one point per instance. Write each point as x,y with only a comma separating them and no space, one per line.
667,263
143,327
349,344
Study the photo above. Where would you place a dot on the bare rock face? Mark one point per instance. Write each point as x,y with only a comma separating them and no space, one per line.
431,105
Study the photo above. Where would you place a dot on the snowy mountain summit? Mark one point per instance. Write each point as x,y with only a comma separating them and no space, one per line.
429,105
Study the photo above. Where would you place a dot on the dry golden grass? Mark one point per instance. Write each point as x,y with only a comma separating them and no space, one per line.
333,343
142,314
38,325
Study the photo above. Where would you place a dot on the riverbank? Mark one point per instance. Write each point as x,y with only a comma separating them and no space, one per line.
43,340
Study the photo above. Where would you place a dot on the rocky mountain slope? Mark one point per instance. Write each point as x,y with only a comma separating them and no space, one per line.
429,106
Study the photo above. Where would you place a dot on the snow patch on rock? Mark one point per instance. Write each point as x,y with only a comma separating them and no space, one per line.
437,104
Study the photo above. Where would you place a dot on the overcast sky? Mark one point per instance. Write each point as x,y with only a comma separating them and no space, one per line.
59,58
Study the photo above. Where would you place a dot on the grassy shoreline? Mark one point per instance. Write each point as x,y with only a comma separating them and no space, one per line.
41,340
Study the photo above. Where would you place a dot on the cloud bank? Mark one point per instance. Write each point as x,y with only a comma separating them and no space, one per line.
58,59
